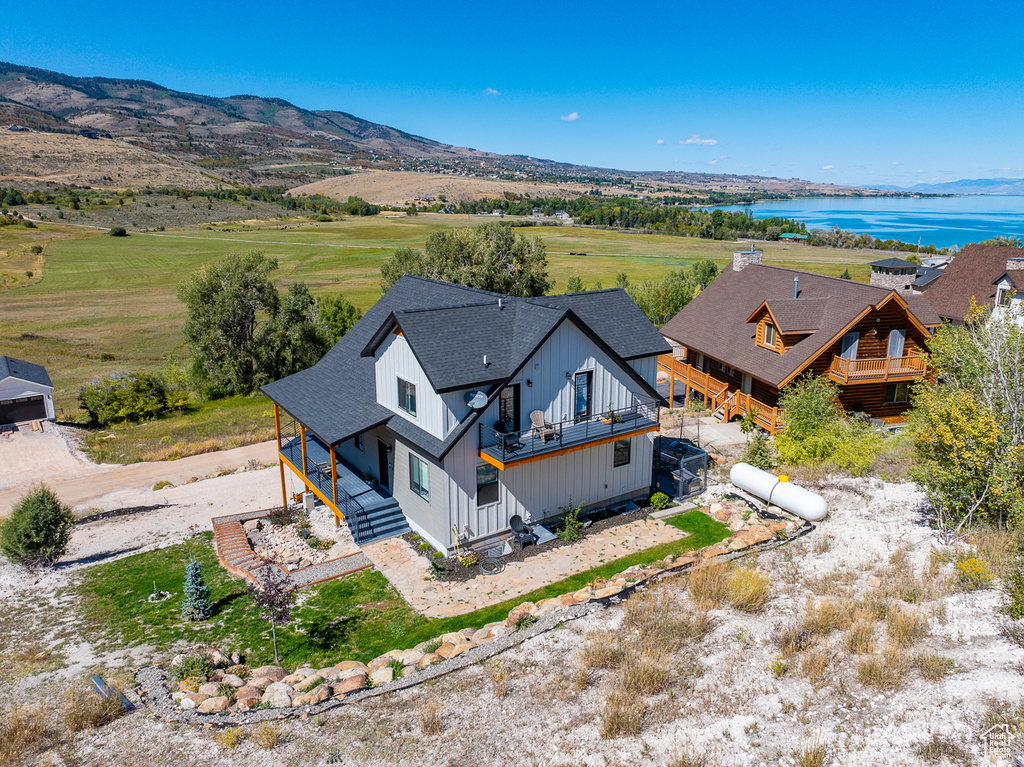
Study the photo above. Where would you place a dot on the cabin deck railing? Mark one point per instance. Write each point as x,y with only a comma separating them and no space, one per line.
845,370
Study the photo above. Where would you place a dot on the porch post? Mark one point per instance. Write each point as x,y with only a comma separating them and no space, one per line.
302,435
280,461
672,387
334,486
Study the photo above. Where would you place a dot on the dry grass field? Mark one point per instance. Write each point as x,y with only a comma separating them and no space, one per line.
98,305
401,188
33,159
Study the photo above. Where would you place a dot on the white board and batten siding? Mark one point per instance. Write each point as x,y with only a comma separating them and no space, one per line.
394,359
537,490
430,517
366,460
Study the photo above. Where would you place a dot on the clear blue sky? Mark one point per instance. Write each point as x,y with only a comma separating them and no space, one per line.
877,92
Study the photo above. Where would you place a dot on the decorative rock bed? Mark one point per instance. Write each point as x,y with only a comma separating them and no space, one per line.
270,692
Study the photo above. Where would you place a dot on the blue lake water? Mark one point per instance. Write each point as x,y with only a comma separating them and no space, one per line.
939,221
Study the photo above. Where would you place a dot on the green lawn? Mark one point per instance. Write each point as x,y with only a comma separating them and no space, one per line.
360,616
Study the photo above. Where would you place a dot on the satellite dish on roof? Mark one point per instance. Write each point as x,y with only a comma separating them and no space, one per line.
476,399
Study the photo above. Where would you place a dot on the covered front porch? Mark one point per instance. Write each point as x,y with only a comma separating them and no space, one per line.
368,508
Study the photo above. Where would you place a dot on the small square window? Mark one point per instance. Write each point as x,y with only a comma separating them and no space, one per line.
486,484
407,396
622,452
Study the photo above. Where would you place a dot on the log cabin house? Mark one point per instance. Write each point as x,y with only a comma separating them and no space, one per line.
757,328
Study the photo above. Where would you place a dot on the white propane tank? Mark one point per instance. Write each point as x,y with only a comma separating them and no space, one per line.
779,491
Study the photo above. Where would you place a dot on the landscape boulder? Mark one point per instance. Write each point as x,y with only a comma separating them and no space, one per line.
314,696
353,683
308,683
209,689
276,698
383,675
273,673
428,659
233,680
214,705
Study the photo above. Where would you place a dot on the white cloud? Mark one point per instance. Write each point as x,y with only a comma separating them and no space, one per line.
571,117
491,92
894,163
920,170
711,162
660,141
935,179
696,139
827,167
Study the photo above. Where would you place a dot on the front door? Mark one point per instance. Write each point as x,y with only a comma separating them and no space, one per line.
508,408
383,465
583,391
747,384
849,350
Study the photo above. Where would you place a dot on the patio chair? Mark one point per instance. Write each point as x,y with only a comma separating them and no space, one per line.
509,440
522,532
541,427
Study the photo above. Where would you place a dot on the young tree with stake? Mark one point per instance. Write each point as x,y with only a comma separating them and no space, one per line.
274,598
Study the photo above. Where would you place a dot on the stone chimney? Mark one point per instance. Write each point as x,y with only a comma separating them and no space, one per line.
744,258
1014,264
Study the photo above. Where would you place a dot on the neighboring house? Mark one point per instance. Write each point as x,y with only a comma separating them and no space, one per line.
1009,300
468,407
974,276
897,274
26,392
757,328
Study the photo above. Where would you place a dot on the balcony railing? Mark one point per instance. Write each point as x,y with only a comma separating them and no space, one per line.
875,369
508,446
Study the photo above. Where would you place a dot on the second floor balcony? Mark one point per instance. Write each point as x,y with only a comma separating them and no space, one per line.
875,369
505,448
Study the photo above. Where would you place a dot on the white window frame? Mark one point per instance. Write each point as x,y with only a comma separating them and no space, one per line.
408,401
419,476
486,484
769,328
629,452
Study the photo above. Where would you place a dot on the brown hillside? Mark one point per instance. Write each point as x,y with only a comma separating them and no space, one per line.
27,159
401,188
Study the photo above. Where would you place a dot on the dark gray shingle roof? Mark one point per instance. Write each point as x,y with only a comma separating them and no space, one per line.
893,263
449,328
26,371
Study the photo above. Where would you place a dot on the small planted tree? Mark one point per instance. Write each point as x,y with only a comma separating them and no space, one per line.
274,598
39,529
196,606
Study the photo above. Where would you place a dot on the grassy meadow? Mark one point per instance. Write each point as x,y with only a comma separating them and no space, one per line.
97,304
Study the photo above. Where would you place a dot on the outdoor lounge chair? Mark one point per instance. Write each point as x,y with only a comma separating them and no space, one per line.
542,428
523,533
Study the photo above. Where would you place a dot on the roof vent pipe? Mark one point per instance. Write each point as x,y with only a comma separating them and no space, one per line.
796,286
485,361
500,305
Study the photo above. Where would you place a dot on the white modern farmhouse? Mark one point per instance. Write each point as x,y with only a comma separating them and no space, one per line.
26,392
450,410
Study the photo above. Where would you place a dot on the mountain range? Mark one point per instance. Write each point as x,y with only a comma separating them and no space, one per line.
258,140
1000,186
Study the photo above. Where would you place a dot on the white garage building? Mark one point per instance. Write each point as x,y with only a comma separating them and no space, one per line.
26,392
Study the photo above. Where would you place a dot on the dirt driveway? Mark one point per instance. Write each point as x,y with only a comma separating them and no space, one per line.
29,457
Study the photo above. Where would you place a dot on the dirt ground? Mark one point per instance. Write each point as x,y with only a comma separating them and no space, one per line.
52,457
722,704
402,187
28,158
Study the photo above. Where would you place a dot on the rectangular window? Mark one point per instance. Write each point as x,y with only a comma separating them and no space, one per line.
622,448
897,393
407,396
1003,299
583,386
486,484
897,337
769,335
358,440
419,478
727,369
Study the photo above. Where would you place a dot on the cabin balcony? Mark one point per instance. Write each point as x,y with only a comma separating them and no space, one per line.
875,369
506,448
368,508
